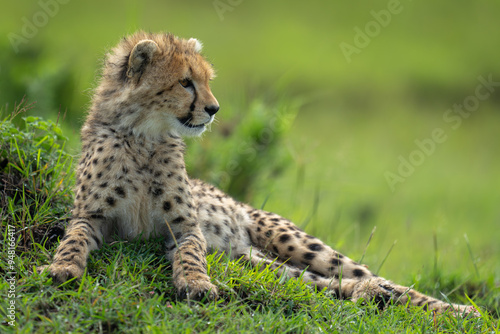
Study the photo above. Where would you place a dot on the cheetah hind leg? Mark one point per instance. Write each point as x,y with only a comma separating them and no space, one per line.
378,289
258,259
325,266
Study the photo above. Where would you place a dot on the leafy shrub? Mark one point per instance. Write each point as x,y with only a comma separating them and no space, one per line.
246,150
35,177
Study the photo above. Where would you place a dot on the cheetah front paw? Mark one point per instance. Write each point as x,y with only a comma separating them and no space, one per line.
61,273
197,290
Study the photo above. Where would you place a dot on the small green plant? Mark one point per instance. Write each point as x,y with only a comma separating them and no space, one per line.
246,150
35,177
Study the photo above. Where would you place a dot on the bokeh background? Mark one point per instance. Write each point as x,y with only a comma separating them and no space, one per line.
365,91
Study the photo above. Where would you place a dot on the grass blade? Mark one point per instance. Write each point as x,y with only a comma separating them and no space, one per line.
367,244
471,255
386,256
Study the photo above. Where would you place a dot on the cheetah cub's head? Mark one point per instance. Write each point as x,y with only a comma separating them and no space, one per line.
163,85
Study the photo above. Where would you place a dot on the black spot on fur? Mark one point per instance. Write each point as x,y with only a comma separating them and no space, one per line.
167,206
178,199
178,220
96,216
284,238
110,200
315,247
120,192
291,248
336,262
309,256
217,229
358,273
157,192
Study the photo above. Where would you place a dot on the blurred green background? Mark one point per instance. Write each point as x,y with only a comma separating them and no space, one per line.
358,114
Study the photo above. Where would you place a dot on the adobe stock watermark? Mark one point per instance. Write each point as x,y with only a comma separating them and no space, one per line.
452,118
223,6
373,28
10,276
31,26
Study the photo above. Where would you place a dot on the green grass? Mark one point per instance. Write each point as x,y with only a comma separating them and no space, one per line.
128,290
127,287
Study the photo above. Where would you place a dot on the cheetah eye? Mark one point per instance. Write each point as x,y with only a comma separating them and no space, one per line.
186,83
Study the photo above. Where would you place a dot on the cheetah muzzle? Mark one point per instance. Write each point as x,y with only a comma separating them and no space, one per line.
132,182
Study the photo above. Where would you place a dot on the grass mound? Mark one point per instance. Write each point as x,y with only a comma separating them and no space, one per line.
127,287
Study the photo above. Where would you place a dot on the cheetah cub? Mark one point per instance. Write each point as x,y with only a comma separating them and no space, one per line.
132,182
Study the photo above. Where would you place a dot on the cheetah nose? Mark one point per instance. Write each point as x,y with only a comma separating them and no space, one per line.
211,110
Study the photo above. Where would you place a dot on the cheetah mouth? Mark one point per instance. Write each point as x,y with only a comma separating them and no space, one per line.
186,121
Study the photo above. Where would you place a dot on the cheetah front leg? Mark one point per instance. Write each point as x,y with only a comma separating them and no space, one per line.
187,248
190,267
82,236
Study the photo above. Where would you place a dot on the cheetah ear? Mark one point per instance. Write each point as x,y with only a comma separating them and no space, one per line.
140,57
195,44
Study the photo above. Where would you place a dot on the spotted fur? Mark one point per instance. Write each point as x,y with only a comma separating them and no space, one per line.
132,182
